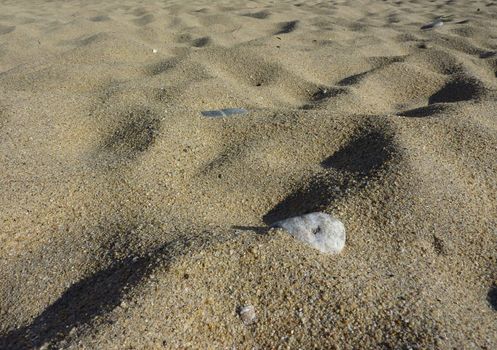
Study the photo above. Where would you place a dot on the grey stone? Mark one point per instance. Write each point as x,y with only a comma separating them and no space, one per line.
432,25
224,112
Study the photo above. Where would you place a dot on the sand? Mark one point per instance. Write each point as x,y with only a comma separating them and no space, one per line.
128,220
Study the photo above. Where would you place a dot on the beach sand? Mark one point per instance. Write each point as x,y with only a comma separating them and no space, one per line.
128,220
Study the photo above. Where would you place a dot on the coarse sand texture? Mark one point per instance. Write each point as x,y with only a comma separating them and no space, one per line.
149,148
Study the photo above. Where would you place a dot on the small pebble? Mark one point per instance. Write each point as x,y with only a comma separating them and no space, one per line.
320,230
488,54
247,314
154,50
432,25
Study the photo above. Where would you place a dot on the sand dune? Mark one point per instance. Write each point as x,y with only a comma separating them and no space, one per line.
131,221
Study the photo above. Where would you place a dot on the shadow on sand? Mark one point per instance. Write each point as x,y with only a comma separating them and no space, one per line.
359,159
96,295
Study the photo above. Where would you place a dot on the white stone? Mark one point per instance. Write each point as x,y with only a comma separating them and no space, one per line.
247,314
154,50
320,230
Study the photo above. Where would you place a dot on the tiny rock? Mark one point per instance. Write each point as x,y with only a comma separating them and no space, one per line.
247,314
320,230
154,50
432,25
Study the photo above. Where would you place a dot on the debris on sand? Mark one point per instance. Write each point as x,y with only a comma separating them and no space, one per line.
247,314
320,230
224,112
432,25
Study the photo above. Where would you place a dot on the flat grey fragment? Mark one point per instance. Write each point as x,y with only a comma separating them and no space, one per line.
488,54
224,112
432,25
320,230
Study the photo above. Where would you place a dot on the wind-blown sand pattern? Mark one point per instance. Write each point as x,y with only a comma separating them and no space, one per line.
130,221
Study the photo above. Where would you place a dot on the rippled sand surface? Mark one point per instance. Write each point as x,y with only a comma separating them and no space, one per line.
129,220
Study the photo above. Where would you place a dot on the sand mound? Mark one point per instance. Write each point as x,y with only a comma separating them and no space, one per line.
130,220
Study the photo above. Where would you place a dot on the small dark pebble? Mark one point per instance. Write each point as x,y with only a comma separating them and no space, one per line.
432,25
488,54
